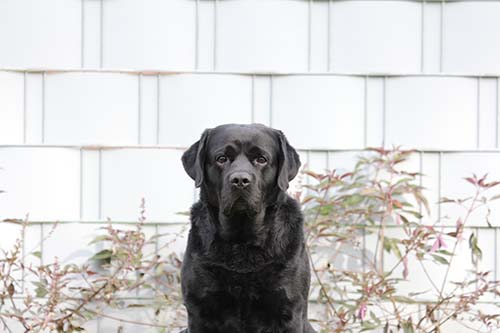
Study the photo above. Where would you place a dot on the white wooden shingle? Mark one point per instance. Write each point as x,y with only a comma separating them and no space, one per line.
319,36
91,33
34,92
11,107
258,36
150,34
331,106
38,34
41,182
128,175
432,36
471,34
74,238
431,112
91,108
363,37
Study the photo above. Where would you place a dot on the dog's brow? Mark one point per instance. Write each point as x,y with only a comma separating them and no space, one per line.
258,150
229,149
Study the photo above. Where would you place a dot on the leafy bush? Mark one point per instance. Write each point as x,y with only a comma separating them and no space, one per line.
368,232
380,201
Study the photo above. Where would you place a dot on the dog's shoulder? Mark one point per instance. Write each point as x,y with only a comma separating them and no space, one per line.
289,211
202,232
288,221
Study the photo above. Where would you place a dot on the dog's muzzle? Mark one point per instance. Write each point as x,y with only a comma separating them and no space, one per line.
240,194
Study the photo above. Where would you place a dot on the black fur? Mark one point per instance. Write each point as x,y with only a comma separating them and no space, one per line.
245,269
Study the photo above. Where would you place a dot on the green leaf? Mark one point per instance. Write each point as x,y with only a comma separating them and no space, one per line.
395,248
445,252
408,327
41,289
367,325
104,254
404,299
354,199
387,245
440,259
495,197
476,251
99,239
374,318
37,254
416,214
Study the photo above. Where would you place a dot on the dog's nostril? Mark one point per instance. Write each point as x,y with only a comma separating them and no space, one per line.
240,179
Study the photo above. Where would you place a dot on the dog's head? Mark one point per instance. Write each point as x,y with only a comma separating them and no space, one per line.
241,168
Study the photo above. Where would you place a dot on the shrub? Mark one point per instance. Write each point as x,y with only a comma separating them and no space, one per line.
356,286
381,202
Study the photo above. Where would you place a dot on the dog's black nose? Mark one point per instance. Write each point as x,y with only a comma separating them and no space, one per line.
240,179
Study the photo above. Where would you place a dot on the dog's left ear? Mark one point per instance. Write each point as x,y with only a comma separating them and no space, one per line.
193,159
288,164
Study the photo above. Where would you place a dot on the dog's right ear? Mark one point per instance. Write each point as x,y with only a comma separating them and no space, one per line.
289,162
193,159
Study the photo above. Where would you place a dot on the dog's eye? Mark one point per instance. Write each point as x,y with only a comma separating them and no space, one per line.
261,160
221,159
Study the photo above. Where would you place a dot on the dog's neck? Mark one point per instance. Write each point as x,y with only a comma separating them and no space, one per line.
240,227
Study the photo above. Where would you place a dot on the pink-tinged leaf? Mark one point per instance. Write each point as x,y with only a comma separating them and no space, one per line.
471,180
435,246
362,311
380,150
460,228
312,174
405,268
492,184
438,243
398,219
481,181
441,241
307,199
397,203
346,175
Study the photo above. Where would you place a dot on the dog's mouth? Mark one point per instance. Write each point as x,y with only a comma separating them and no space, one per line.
239,203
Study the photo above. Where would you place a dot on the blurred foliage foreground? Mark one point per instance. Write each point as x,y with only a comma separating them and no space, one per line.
379,262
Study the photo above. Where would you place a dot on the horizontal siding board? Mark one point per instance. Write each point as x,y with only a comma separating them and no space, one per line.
41,182
91,108
262,35
438,113
332,106
471,47
149,34
11,107
364,38
40,33
128,176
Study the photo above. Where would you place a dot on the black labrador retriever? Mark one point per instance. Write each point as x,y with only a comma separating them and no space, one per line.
245,269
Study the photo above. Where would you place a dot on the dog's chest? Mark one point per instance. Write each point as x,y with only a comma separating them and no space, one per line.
251,298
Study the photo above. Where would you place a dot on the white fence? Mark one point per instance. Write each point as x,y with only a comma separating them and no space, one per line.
98,99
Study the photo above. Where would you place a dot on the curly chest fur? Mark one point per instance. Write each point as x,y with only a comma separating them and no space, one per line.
243,300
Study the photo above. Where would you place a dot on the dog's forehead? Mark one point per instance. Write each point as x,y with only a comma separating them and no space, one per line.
259,136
